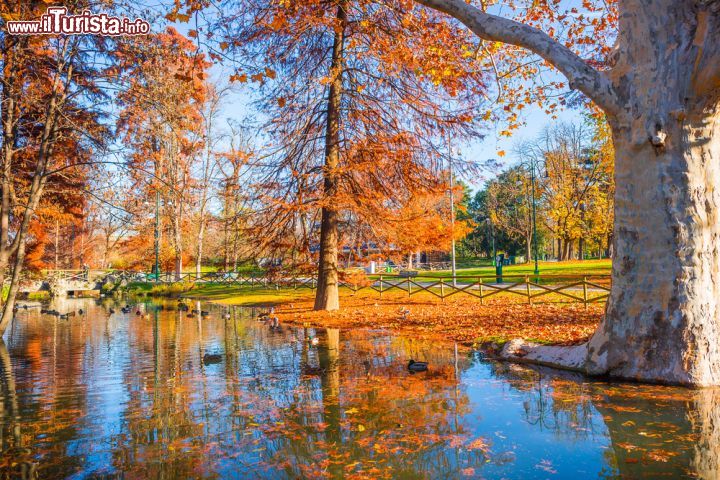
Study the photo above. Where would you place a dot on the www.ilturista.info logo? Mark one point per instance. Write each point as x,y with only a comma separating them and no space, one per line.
57,21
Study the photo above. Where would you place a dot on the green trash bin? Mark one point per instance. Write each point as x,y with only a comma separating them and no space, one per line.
499,267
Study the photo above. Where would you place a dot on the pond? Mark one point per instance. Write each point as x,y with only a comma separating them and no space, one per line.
161,394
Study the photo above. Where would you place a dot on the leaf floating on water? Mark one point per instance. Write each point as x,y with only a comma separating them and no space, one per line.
479,443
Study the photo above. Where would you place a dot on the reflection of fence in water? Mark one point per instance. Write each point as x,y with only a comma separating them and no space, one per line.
584,289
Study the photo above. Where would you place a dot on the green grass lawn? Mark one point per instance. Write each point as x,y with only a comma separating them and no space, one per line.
247,295
571,268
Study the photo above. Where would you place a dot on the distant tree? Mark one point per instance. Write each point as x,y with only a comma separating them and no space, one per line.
162,124
50,111
359,94
575,185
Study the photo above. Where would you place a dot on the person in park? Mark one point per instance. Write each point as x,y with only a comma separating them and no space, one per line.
659,89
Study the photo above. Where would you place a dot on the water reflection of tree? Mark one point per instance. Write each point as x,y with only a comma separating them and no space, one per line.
553,403
50,393
654,431
368,417
161,421
11,440
277,406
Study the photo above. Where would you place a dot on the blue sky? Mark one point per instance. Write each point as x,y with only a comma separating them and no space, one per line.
239,106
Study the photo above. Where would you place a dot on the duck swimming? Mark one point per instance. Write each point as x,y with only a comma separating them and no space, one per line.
414,366
265,316
211,358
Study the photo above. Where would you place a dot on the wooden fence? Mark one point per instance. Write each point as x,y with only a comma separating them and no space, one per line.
584,289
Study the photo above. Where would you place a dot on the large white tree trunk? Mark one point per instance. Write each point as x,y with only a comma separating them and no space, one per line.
662,321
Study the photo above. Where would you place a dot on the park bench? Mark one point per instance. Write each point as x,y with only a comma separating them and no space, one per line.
407,273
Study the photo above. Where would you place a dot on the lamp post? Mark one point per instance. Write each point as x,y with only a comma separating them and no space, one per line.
492,236
156,268
157,236
535,246
452,216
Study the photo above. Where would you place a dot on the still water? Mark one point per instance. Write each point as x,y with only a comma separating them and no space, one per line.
165,395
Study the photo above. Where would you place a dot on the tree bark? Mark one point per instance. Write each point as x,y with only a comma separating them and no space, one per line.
662,100
199,253
581,249
528,252
326,297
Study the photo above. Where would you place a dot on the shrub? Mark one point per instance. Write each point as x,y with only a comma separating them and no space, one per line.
39,295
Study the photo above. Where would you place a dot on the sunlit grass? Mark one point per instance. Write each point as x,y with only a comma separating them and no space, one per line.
575,267
247,295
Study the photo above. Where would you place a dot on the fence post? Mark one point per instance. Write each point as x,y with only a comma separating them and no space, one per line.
480,285
381,286
442,289
585,296
527,285
409,287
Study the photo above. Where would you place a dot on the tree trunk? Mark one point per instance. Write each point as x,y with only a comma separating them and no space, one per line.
662,322
581,249
326,297
199,253
528,248
177,241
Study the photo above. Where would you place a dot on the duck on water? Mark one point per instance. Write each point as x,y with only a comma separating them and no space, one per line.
414,366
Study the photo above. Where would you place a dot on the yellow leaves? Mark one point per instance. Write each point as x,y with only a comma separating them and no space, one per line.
501,153
270,73
281,102
224,46
193,33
